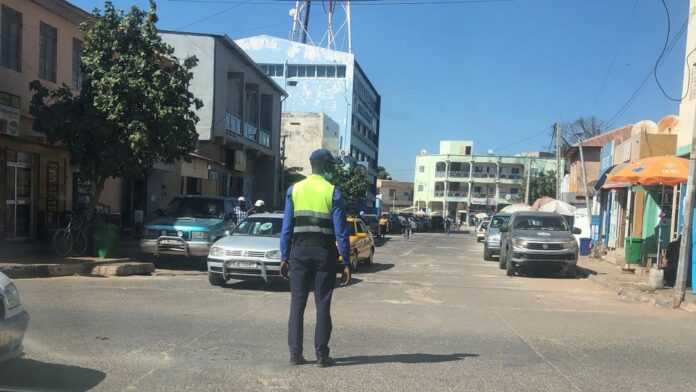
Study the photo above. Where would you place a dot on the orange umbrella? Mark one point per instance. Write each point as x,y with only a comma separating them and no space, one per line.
662,170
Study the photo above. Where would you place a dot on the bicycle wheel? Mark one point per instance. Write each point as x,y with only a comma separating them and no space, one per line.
62,242
79,244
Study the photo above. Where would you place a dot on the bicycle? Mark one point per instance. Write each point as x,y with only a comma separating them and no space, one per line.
72,239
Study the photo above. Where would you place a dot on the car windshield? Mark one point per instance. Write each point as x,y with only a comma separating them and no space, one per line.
351,227
544,223
194,207
484,226
266,227
499,221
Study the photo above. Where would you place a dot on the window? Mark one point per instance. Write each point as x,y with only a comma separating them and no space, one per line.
420,188
478,169
421,169
311,71
467,151
292,71
515,170
321,71
341,71
77,64
407,194
330,71
477,189
392,193
11,39
193,186
514,191
48,53
301,71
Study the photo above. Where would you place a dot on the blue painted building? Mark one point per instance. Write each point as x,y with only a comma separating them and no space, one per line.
325,81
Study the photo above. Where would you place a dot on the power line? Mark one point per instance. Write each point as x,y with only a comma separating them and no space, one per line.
203,19
662,54
353,2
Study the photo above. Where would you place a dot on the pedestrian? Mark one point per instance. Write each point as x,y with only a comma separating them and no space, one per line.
258,208
240,211
314,233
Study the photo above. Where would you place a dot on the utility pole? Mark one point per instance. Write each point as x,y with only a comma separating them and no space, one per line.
557,132
529,178
282,166
685,247
588,202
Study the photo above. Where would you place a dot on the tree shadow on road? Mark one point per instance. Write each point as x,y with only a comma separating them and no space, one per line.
402,358
31,375
278,286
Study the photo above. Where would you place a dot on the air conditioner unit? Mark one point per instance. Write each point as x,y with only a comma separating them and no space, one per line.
9,120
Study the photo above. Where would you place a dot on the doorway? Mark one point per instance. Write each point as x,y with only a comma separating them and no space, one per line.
19,208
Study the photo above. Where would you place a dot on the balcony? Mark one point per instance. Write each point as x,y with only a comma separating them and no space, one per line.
250,131
452,195
511,178
233,125
265,138
484,177
452,174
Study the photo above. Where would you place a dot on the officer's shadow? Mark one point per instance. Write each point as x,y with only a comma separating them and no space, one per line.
279,285
402,358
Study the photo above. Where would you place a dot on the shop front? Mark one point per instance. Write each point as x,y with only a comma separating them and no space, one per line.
34,189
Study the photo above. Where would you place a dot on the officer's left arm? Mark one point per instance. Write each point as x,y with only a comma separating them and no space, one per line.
338,215
286,230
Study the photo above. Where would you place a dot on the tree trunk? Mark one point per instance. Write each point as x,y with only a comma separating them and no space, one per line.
97,189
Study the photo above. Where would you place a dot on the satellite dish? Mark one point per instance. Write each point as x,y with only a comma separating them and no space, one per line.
668,125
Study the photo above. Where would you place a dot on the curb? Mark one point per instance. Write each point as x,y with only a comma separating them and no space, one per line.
98,268
640,296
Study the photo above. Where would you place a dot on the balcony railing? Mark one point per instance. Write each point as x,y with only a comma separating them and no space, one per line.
264,138
439,193
250,131
483,175
453,174
233,125
457,194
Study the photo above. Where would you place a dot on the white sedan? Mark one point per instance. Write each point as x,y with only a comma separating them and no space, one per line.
13,320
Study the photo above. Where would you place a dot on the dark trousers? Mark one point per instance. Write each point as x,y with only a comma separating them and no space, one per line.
307,275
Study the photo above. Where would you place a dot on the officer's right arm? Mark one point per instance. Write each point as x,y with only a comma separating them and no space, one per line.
288,225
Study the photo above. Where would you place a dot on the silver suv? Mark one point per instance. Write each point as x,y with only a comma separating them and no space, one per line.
538,239
491,244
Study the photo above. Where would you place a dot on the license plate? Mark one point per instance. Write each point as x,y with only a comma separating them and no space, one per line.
242,264
170,242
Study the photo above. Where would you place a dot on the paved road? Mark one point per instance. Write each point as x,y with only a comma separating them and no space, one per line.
429,316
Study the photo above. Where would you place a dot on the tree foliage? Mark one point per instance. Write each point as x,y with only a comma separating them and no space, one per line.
543,184
134,107
576,131
382,173
352,182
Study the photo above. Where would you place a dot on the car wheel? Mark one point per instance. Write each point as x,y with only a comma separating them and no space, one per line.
372,256
501,260
354,262
570,271
486,253
215,279
509,268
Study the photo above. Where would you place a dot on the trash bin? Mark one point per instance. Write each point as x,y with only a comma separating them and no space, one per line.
632,246
585,246
106,240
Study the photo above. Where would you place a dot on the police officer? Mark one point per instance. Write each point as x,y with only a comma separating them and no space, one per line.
314,225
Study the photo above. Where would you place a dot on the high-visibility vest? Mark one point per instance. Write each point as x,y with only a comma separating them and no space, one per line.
312,201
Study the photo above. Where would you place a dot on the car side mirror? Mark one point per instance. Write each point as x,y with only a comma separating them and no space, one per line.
577,230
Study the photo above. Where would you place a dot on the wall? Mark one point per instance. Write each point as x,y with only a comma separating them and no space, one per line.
687,107
304,133
400,188
203,47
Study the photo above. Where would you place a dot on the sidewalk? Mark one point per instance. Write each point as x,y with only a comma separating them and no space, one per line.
36,260
631,286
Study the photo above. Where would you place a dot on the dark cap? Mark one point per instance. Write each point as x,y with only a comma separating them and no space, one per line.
321,156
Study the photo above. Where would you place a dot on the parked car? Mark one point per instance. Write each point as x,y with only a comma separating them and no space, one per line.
13,320
538,239
189,226
250,252
481,230
362,244
372,222
437,223
491,243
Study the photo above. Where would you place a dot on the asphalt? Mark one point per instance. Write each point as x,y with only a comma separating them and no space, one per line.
430,315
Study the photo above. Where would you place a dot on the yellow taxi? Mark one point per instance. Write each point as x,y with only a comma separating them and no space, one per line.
362,245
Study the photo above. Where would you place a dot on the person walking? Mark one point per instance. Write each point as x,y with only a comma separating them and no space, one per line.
314,233
240,211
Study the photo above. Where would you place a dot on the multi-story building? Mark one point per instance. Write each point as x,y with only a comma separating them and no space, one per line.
302,133
326,81
456,182
396,195
39,40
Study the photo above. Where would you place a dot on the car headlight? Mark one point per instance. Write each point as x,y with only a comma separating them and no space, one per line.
12,296
273,254
216,251
519,243
494,237
199,235
572,244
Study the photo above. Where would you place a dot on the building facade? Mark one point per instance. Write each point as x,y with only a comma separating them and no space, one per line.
326,81
39,40
456,182
396,195
302,133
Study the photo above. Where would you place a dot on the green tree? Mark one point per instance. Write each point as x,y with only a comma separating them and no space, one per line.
352,182
543,184
382,173
134,107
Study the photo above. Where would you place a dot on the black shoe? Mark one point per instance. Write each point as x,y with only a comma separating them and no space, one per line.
325,361
297,359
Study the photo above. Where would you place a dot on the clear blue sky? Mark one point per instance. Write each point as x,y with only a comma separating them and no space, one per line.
496,73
